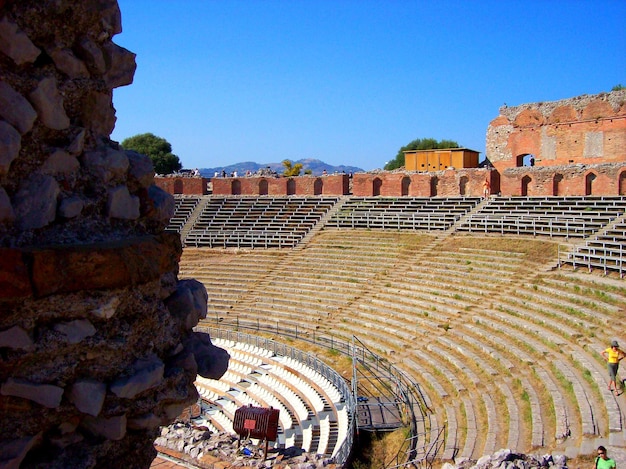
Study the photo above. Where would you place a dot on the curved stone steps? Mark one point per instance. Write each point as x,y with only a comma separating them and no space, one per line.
587,409
590,411
495,333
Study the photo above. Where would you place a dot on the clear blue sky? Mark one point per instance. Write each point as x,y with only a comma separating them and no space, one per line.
351,81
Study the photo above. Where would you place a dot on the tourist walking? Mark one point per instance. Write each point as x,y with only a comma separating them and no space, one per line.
603,461
613,355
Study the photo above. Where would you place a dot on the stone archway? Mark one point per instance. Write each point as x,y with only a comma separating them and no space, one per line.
463,182
235,187
589,180
525,159
406,184
526,183
556,184
377,183
318,187
434,182
263,187
291,186
178,186
621,183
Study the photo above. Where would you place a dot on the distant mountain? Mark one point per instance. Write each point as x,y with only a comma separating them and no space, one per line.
316,166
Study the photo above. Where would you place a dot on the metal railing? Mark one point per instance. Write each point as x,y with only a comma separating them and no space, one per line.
408,390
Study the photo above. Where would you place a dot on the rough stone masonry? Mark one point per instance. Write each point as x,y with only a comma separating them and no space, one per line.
96,342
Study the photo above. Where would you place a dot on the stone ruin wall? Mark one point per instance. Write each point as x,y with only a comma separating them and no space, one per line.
588,129
96,342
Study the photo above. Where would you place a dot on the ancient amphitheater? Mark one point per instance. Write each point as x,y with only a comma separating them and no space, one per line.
495,311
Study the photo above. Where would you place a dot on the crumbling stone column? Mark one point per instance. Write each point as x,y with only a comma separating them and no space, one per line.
96,342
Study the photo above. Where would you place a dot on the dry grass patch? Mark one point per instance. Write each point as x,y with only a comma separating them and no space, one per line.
384,450
534,250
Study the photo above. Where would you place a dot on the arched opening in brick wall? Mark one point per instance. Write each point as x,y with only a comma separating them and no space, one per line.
263,187
235,187
178,186
589,180
556,184
463,181
406,183
525,159
526,182
621,183
434,182
318,187
291,187
376,185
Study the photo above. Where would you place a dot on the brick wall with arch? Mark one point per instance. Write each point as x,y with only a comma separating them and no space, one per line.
602,179
587,129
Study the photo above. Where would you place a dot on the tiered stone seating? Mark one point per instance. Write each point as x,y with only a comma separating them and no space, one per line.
258,377
570,217
183,208
506,352
606,251
257,222
402,213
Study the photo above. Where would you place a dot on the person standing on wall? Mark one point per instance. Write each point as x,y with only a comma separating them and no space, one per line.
613,355
486,189
603,461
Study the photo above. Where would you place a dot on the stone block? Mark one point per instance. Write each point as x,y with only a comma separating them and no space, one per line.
49,104
75,331
122,65
10,144
107,309
16,338
148,373
88,396
16,44
140,169
98,111
212,361
45,394
91,53
121,204
78,144
35,203
60,162
71,207
68,63
15,109
189,304
161,205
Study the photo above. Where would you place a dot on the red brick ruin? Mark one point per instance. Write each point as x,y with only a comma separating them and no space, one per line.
578,146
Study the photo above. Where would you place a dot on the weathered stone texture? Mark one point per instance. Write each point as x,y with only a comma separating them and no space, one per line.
580,130
15,109
89,347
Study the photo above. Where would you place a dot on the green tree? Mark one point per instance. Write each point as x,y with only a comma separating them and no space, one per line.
618,87
291,169
157,148
418,144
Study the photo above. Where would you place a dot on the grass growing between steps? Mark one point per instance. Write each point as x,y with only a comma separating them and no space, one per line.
535,251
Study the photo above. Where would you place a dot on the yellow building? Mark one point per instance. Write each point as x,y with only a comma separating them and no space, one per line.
440,159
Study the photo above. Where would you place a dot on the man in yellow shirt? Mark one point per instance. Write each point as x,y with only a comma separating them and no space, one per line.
613,355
